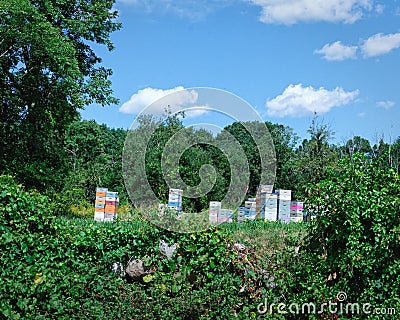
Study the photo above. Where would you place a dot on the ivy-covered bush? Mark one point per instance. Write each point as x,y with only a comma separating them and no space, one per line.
25,222
61,268
353,246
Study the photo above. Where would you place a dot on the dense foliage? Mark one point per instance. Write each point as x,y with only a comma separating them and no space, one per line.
61,268
56,266
354,244
48,71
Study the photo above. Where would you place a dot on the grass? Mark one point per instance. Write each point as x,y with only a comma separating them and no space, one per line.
264,238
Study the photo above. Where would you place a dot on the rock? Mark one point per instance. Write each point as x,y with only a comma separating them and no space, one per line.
135,269
239,247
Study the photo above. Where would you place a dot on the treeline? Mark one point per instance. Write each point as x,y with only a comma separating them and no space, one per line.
90,155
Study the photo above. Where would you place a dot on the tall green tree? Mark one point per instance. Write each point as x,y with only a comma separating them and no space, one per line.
314,157
395,155
93,155
387,154
48,71
250,148
357,144
285,141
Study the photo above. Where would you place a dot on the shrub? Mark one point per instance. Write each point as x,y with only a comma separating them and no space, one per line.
25,220
353,246
61,268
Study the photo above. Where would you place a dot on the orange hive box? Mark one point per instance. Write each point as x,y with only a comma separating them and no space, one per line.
110,209
100,194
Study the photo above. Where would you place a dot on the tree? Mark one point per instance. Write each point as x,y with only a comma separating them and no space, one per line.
48,71
93,156
315,156
357,144
251,151
258,146
395,155
285,140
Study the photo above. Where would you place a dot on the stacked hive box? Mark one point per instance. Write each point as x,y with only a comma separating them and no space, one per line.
225,215
265,188
261,198
111,209
215,206
296,211
250,209
271,207
241,213
175,199
100,204
284,198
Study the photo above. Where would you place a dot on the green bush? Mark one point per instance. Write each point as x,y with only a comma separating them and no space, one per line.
61,268
353,245
25,221
23,211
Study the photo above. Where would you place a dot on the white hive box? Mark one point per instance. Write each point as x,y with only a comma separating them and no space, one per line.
284,194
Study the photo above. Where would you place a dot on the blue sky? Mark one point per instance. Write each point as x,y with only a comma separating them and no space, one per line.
287,58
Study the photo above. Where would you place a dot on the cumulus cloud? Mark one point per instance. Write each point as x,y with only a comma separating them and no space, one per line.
379,44
385,104
297,100
293,11
174,98
337,51
196,111
375,45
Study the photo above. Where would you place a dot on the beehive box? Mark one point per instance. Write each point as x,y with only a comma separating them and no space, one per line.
225,215
106,205
270,214
284,194
213,211
175,199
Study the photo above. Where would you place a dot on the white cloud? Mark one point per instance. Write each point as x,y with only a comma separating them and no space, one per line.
337,51
293,11
375,45
196,111
297,100
385,104
175,98
379,44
